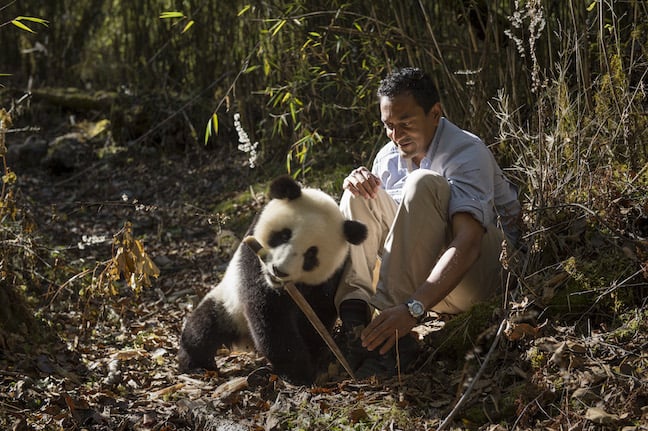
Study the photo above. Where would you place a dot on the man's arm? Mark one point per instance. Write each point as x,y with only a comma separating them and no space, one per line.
446,274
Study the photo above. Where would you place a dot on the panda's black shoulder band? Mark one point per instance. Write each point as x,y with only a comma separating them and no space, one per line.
284,187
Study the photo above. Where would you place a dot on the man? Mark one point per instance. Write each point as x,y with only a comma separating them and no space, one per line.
437,207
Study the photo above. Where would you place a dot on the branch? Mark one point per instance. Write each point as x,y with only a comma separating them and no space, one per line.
463,398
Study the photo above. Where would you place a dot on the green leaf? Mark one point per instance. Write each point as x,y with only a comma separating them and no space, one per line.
208,131
293,113
591,6
212,125
278,27
171,14
22,26
33,19
188,26
214,119
245,9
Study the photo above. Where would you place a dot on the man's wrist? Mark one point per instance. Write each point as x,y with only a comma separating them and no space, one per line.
416,309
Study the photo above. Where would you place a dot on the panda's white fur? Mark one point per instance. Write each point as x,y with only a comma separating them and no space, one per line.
306,241
227,293
314,219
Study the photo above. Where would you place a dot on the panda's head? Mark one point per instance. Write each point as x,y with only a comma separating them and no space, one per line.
304,235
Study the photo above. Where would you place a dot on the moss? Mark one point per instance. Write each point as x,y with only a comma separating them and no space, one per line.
631,324
460,334
588,288
536,357
237,212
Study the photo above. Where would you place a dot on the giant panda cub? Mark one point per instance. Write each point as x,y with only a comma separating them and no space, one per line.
306,240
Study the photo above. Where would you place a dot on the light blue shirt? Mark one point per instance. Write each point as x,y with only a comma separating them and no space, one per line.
477,184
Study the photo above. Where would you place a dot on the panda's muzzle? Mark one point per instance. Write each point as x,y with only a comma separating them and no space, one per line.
278,274
277,278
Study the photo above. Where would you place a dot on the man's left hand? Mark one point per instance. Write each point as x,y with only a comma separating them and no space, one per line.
383,329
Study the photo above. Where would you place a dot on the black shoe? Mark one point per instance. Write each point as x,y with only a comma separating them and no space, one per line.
355,315
388,365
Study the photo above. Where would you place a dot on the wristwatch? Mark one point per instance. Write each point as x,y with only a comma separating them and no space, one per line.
416,309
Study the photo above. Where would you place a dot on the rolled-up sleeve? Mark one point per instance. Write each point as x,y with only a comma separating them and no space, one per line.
471,185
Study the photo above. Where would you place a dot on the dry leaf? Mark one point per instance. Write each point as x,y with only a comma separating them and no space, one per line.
517,331
600,416
164,391
228,388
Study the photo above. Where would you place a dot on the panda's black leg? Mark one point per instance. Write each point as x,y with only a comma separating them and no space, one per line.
280,341
209,327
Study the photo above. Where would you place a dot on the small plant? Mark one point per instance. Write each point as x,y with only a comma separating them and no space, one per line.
129,264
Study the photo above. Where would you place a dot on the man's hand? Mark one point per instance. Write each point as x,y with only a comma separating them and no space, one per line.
361,182
383,328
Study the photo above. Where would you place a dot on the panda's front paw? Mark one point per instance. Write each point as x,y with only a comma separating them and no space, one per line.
188,364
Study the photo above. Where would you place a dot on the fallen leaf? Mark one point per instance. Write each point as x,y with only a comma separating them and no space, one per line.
600,416
518,331
230,387
164,391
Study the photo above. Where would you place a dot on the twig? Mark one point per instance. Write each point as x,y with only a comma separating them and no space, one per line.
463,398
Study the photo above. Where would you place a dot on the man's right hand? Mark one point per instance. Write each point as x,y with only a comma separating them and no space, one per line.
361,182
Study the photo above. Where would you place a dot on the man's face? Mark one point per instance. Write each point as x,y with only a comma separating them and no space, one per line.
408,126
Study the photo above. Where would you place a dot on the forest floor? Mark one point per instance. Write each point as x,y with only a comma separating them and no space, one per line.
110,364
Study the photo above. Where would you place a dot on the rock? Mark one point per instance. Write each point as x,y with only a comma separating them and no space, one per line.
27,155
66,153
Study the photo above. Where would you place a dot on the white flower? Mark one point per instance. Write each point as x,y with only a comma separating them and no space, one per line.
245,144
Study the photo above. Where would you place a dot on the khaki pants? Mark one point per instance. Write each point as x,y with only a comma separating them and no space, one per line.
408,239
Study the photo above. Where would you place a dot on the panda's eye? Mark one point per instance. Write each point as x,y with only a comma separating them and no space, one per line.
279,237
310,259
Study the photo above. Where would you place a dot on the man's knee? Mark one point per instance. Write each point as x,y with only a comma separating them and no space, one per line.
349,204
423,185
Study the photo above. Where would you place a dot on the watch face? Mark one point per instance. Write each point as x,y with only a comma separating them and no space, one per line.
415,308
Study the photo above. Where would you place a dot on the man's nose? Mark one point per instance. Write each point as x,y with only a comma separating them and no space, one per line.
396,134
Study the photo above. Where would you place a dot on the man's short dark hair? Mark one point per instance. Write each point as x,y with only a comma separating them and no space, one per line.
410,80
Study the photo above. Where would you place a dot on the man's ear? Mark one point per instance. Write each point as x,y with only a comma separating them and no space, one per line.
437,111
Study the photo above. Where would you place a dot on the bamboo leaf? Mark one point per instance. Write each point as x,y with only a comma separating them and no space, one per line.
171,14
251,69
188,26
591,6
33,19
245,9
208,131
214,119
278,27
22,26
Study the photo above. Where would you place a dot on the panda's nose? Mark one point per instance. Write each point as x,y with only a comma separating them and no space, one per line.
278,273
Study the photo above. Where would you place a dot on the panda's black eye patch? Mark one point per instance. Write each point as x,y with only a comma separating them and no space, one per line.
279,237
310,259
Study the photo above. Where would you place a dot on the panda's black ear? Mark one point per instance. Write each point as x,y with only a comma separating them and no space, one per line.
284,187
354,231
